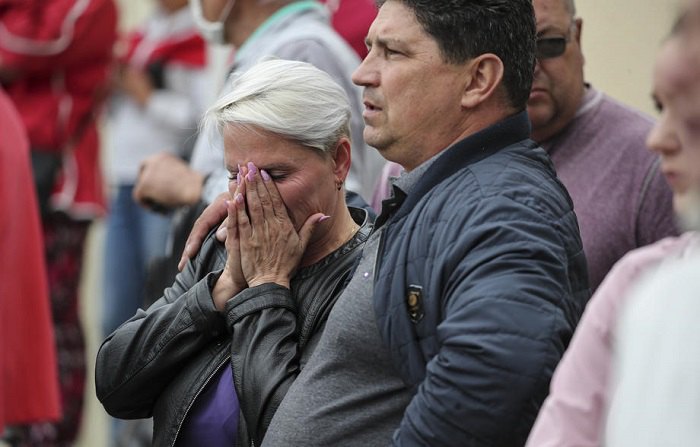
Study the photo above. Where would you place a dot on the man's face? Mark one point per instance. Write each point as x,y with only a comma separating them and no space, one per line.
411,96
557,88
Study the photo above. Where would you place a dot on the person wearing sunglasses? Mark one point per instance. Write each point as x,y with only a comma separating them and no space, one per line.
651,397
597,146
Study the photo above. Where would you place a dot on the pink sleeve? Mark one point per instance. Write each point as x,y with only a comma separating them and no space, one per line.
573,413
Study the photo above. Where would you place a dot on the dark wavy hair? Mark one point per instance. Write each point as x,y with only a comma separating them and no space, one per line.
465,29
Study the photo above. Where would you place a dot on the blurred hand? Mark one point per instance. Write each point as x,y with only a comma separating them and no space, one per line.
136,84
166,180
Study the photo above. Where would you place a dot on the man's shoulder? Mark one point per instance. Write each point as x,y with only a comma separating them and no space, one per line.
612,107
611,116
520,175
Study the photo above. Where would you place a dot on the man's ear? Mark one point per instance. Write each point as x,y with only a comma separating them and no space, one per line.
578,29
342,158
485,76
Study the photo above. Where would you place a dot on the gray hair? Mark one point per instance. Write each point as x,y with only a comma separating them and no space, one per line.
294,100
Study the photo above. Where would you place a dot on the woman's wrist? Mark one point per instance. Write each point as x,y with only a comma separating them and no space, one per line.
224,289
269,279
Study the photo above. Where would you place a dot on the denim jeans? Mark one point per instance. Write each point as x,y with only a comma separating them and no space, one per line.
134,237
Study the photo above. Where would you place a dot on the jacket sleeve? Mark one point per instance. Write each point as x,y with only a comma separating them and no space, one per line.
264,351
36,36
137,361
506,295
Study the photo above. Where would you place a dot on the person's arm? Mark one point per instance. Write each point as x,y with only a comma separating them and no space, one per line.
137,361
173,109
165,180
508,311
40,37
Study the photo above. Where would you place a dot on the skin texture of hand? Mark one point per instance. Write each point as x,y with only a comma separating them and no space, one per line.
166,180
232,280
214,214
270,247
136,84
262,244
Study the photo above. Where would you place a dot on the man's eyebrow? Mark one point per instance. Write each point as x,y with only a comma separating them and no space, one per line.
383,41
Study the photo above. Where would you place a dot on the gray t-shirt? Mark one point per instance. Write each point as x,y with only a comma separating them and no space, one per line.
349,393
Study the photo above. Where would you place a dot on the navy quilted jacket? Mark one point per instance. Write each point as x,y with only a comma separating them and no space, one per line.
481,279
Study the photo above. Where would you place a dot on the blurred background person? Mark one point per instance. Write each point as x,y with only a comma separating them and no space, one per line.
656,401
55,57
352,18
160,93
574,412
28,371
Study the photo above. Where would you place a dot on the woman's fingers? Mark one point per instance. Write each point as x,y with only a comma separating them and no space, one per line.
244,229
278,207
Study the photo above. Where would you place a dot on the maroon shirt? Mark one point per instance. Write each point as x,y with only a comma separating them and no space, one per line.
620,196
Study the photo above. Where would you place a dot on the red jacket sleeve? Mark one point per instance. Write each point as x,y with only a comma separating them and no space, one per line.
38,35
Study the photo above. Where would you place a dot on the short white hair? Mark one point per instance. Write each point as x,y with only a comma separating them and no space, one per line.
292,99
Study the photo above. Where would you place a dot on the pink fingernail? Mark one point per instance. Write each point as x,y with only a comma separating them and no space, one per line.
322,218
266,177
238,176
239,198
252,168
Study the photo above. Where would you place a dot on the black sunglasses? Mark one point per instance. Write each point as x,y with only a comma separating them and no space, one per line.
551,47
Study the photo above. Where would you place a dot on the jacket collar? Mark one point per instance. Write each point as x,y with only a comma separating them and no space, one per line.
463,153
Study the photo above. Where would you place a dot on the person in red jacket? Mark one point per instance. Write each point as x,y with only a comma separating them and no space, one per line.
352,18
55,59
28,372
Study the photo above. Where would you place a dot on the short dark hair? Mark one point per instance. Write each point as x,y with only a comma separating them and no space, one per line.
465,29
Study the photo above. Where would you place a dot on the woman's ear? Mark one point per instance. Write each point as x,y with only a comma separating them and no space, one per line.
485,75
342,156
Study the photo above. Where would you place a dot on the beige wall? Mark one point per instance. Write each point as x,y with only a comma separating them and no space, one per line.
620,41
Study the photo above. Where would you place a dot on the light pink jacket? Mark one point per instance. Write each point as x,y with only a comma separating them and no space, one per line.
574,412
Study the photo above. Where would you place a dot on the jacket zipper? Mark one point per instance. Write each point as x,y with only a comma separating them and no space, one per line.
196,395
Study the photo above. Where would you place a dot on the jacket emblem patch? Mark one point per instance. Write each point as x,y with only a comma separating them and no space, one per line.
414,303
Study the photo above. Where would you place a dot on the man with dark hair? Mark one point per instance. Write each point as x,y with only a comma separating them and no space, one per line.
596,144
471,284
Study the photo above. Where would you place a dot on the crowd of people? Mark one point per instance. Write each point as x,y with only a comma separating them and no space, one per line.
402,222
